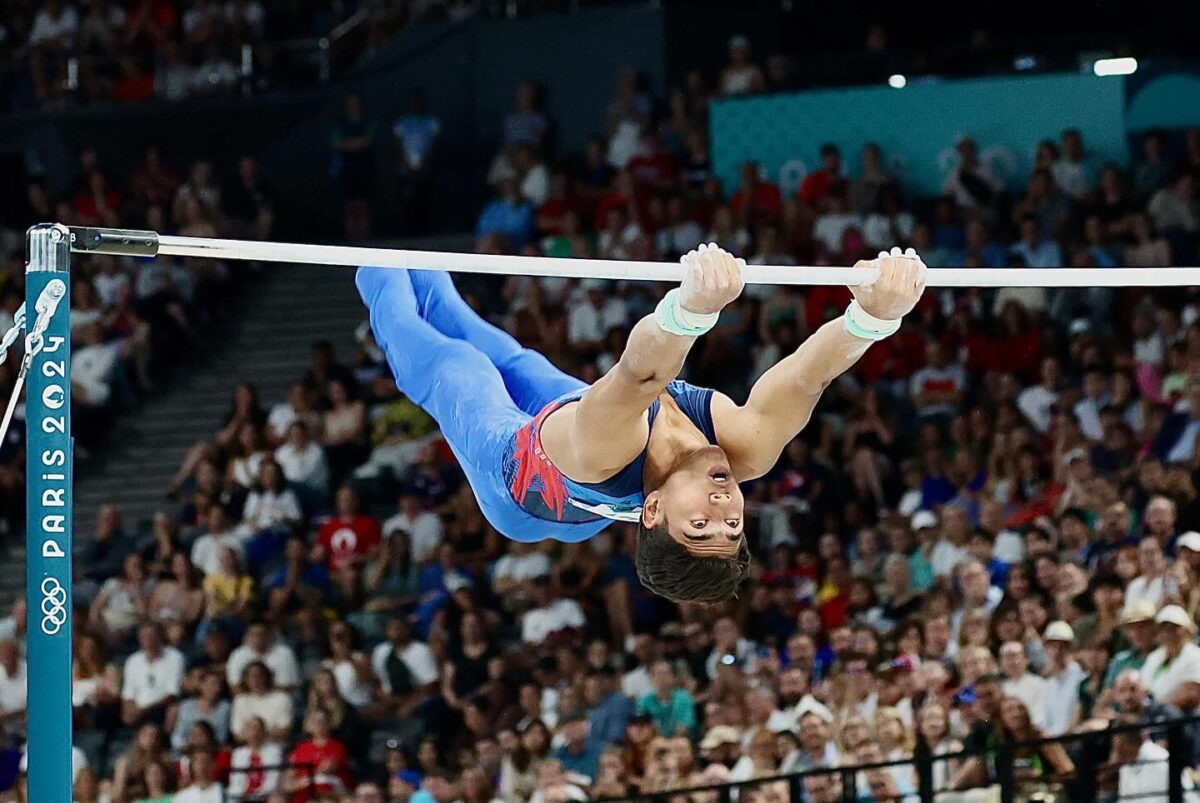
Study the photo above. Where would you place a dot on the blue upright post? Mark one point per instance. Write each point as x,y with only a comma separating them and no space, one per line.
48,534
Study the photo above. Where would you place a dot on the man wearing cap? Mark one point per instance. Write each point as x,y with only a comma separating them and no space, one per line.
816,739
1187,548
1137,627
1172,672
722,745
1063,677
924,526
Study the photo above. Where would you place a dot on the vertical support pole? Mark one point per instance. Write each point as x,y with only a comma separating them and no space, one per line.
48,530
1178,750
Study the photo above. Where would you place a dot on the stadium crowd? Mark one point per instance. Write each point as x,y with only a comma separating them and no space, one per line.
986,535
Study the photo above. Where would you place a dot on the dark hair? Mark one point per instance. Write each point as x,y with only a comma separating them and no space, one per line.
666,568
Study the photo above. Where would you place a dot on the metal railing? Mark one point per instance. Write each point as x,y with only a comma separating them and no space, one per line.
1088,750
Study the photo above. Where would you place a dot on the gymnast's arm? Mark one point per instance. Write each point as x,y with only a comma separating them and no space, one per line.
591,440
782,401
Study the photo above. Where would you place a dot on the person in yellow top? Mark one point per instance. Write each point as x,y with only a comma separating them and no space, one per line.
227,592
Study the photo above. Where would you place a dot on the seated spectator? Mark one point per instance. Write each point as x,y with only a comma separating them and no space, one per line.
123,602
741,76
508,215
203,787
297,407
670,707
271,505
828,181
756,202
302,460
261,646
348,538
201,738
1052,762
209,706
228,593
96,685
255,765
552,619
129,770
259,697
422,527
343,429
1019,682
1173,669
300,583
1149,248
938,388
217,537
320,764
1173,208
151,681
831,225
972,184
178,597
1033,251
405,668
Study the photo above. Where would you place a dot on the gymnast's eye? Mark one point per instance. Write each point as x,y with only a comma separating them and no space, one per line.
700,524
733,523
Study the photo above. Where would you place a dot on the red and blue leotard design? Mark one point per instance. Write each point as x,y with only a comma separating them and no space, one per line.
541,490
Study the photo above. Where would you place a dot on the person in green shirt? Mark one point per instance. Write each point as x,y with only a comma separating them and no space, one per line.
1137,626
671,707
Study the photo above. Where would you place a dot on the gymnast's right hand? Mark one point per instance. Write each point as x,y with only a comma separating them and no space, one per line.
712,278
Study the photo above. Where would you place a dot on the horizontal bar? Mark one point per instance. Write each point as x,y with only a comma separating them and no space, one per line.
118,242
113,241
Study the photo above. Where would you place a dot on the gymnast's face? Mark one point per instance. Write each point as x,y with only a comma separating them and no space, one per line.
702,505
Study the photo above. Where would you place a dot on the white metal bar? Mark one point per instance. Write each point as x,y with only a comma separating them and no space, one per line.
207,248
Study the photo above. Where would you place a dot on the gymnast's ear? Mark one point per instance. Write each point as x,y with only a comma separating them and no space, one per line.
651,511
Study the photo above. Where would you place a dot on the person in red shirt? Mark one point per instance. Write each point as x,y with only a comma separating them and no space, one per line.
347,538
757,201
653,167
817,186
320,764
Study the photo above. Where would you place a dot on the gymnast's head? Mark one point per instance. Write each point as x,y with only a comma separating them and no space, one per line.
691,545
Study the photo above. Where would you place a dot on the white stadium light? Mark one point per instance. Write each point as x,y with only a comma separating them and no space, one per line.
897,81
1121,66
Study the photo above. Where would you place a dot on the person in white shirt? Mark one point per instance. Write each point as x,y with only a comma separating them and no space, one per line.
553,615
92,364
298,407
260,698
830,227
1019,682
951,548
1037,401
203,789
1144,772
1063,677
406,668
515,572
250,779
151,679
271,505
207,549
424,528
259,645
1172,671
302,459
1149,585
592,314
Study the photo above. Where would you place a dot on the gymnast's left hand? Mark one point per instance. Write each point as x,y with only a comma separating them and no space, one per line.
899,286
712,278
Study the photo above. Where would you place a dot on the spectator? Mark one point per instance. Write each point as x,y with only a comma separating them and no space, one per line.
302,460
827,181
1143,769
151,680
509,215
417,132
670,706
1173,669
255,765
1033,251
741,76
348,538
937,389
972,184
1019,682
260,646
1137,627
259,698
1063,679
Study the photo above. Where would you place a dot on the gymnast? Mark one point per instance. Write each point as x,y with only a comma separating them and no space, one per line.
551,457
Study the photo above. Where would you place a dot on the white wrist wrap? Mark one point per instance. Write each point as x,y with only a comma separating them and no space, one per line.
861,323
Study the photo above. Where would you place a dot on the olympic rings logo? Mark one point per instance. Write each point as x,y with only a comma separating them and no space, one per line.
54,606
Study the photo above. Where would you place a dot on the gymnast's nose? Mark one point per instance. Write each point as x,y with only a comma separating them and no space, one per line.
717,497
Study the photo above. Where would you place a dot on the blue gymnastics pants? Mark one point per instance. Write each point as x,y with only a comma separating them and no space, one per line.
477,382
